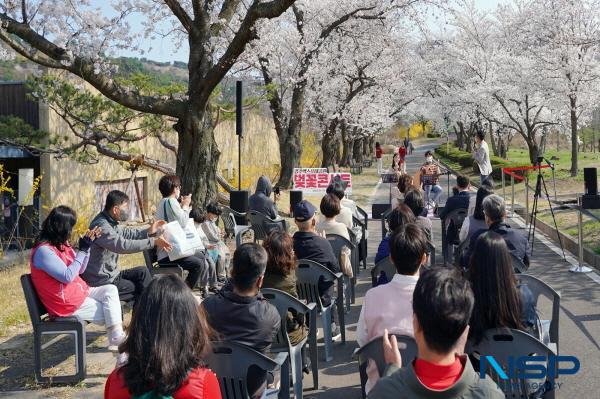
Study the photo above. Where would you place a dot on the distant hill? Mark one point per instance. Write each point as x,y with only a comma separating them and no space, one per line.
160,73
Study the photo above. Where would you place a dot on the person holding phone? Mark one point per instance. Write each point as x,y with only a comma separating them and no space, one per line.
170,210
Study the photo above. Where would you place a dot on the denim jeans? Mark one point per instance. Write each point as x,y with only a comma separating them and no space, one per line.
432,192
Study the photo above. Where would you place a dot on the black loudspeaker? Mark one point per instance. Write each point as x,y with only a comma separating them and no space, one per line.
295,197
238,201
238,108
378,209
590,178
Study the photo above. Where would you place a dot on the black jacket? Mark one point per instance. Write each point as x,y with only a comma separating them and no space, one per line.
516,242
251,321
461,200
261,200
316,248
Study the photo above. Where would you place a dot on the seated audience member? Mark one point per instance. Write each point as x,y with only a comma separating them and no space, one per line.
103,267
389,307
281,275
499,301
169,210
400,216
209,280
460,200
488,184
55,274
494,210
404,183
168,337
440,324
309,245
414,200
346,212
261,200
241,314
476,221
215,239
330,208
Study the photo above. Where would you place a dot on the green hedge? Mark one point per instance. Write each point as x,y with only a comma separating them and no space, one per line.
465,159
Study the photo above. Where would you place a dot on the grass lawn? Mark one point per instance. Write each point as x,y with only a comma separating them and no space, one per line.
566,187
13,310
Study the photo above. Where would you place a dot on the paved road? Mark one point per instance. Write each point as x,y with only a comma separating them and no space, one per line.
579,316
579,321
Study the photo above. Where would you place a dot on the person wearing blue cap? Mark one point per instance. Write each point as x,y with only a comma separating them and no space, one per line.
309,245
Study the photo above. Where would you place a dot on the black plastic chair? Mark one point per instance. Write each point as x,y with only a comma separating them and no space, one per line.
232,229
152,264
230,361
374,351
539,288
337,243
53,326
364,224
518,265
384,218
455,219
385,265
262,225
362,244
505,345
308,275
284,302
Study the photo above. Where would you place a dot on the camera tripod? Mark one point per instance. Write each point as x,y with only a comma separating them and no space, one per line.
539,184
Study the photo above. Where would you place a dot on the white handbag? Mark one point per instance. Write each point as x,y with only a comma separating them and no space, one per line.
185,241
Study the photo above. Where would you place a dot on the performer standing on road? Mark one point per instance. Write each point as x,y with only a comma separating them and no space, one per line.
482,156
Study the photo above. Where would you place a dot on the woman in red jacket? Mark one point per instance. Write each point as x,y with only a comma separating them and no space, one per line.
167,339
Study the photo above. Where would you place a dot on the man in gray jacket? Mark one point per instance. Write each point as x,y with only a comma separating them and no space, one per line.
103,265
442,306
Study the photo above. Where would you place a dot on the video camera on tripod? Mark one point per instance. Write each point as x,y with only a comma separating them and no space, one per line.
539,185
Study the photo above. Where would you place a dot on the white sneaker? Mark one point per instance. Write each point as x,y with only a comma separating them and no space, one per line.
335,332
114,342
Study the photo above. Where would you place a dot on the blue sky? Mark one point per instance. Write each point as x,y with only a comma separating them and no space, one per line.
163,50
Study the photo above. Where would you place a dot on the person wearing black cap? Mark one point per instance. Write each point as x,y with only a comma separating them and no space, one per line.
309,245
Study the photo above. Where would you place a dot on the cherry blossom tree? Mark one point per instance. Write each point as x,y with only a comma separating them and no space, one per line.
288,54
76,37
563,38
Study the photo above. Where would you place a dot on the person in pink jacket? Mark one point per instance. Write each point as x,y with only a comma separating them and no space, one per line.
389,306
55,274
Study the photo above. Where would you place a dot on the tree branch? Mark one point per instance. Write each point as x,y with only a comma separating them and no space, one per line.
84,68
180,13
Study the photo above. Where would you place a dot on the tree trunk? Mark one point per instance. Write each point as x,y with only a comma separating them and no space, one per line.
495,141
328,146
197,157
371,146
357,150
533,151
337,147
346,148
573,103
365,151
460,135
290,152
